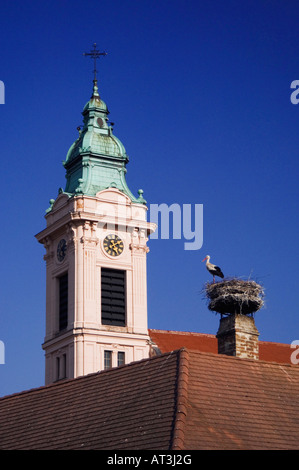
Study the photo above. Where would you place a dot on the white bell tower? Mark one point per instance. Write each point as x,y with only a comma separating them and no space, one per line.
96,248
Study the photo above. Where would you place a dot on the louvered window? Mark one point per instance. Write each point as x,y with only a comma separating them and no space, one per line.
113,297
63,301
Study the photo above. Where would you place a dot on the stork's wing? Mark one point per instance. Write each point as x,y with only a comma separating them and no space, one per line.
218,272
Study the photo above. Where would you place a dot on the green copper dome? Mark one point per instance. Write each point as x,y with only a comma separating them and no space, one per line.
97,159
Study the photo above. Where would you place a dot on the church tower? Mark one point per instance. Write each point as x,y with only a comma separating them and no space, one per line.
96,246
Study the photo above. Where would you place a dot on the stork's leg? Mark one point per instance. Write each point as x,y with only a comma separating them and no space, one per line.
213,279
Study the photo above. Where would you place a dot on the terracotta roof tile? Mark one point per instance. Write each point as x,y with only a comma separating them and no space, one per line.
168,340
183,400
241,404
124,408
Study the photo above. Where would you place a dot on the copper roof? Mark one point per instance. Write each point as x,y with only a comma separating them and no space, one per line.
179,400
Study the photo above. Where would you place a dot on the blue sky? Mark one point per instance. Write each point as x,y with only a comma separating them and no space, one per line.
200,96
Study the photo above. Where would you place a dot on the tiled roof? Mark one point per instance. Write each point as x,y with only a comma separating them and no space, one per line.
130,407
182,400
168,340
241,404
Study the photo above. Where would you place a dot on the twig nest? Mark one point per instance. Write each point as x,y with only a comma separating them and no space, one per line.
234,296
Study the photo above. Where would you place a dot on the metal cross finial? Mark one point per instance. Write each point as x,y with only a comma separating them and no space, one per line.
95,54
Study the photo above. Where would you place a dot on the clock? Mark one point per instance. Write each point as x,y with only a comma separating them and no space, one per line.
61,250
113,245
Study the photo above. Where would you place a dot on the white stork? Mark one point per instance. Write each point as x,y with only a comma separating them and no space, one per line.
214,270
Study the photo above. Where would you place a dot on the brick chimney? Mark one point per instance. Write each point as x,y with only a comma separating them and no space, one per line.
238,336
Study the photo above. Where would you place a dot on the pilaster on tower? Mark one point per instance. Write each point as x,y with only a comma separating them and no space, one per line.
96,248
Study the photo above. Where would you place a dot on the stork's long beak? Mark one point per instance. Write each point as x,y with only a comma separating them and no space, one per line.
204,259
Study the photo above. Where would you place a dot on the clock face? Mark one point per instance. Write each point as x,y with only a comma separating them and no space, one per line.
61,250
113,245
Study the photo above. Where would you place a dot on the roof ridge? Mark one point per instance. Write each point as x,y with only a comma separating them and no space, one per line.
210,335
67,381
244,359
273,342
181,332
178,438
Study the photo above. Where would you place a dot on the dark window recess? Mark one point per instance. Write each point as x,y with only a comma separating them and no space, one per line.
61,367
63,301
113,297
120,358
57,367
63,370
107,360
